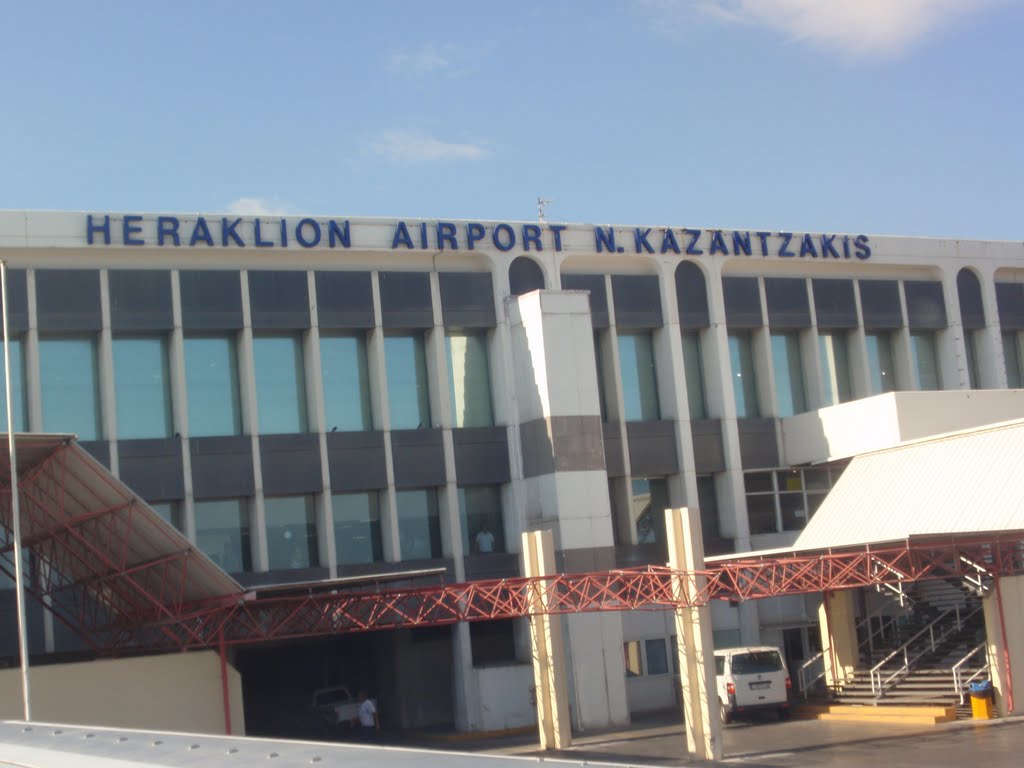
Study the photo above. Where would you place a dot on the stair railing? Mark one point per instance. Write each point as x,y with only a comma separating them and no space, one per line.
805,670
808,675
960,682
976,582
879,686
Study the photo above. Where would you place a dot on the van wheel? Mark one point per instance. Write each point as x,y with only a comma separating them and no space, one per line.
724,714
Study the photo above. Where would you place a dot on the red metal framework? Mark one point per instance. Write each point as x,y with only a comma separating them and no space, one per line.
108,568
652,588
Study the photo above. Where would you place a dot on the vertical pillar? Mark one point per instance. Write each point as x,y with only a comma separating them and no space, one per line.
1004,628
837,619
693,630
548,648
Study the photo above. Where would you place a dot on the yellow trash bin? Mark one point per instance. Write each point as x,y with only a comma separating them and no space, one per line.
981,700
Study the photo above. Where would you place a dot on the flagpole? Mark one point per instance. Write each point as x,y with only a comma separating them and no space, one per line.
15,508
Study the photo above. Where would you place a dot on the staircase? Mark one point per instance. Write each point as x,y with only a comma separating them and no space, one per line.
926,660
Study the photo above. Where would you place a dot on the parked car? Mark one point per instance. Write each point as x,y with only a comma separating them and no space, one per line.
749,679
335,707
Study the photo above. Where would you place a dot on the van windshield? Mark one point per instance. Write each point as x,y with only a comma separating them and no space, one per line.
756,662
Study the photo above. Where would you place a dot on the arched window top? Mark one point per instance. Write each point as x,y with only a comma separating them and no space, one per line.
692,295
972,310
525,275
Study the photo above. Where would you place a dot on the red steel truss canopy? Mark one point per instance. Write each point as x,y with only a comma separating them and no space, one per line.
100,558
111,569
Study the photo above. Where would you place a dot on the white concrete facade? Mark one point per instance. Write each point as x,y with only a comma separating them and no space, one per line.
543,365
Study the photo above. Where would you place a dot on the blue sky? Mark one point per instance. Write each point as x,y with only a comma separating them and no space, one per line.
876,116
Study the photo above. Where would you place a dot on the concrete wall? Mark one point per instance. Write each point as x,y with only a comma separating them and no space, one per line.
173,692
506,697
874,423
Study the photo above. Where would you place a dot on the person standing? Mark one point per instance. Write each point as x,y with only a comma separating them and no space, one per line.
369,719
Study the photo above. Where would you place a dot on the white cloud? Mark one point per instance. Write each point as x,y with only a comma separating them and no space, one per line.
428,58
258,206
854,27
411,147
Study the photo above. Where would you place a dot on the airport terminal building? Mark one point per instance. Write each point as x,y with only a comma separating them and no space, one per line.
308,398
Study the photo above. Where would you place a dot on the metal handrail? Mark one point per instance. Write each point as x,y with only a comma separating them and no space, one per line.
959,683
878,685
803,671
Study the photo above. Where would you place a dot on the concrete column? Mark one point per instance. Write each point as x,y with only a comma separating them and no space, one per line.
1004,627
838,622
548,647
693,630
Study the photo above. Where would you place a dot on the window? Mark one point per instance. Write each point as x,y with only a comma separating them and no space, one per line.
492,642
973,370
211,377
789,374
346,383
143,388
280,384
634,662
483,529
693,364
657,658
469,380
834,357
70,386
291,532
357,536
744,384
707,500
222,532
784,499
602,389
170,511
650,500
881,372
18,407
1012,357
408,396
419,525
639,379
926,364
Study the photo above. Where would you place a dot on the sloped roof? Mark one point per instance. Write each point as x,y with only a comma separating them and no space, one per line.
962,482
109,559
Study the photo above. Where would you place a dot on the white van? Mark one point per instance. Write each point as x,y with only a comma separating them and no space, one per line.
749,679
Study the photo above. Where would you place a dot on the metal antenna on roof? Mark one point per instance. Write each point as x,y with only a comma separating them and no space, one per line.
542,203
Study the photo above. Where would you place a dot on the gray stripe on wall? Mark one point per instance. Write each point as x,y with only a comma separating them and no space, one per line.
562,444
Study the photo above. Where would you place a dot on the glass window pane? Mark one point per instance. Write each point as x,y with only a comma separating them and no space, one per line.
291,532
794,511
419,526
143,387
483,529
602,390
346,383
789,375
880,368
761,513
639,379
211,374
1012,357
693,364
650,500
18,409
357,527
69,387
926,364
222,532
170,511
657,659
280,384
634,663
835,367
758,482
744,384
469,380
973,372
408,396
